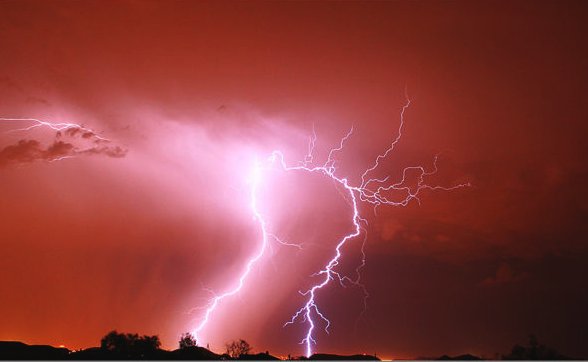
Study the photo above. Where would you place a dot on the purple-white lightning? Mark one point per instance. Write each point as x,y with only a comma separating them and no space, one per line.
81,140
59,126
370,190
254,180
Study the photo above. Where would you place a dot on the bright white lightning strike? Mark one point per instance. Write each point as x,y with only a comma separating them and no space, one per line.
255,179
61,126
70,140
365,191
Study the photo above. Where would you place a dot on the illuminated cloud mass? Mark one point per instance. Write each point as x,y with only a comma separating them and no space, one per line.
131,209
28,150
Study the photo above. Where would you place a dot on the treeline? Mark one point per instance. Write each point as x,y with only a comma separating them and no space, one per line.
130,346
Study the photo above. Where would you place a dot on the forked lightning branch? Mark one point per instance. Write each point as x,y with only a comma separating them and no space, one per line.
375,191
370,190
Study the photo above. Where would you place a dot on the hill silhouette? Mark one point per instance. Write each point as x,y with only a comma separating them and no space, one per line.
121,346
20,351
336,357
10,350
462,357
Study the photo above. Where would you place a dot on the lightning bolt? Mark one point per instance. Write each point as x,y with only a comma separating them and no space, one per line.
373,191
60,126
254,180
87,141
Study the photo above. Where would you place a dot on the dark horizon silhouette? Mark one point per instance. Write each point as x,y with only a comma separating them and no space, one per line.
128,346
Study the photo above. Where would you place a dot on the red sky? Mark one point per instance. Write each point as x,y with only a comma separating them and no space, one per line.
193,91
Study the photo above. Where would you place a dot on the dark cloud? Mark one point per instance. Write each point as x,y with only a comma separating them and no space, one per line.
110,151
27,150
79,131
23,151
59,149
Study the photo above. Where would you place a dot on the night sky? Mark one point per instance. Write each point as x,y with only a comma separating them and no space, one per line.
135,235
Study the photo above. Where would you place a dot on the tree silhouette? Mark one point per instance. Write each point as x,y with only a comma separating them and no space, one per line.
187,340
237,348
130,345
535,351
146,345
115,342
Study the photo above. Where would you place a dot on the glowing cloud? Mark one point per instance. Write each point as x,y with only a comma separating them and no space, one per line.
70,140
